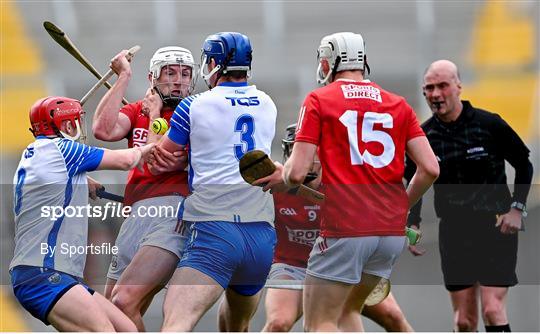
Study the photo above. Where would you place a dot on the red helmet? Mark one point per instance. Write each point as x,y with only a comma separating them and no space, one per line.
48,113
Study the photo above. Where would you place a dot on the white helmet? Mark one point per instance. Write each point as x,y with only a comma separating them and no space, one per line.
344,51
172,55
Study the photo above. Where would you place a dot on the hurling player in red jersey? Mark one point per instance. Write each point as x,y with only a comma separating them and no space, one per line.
361,133
148,248
297,227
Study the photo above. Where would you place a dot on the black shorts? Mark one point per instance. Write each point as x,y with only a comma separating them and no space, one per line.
474,251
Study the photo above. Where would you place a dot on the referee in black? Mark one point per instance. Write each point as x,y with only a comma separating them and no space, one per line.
479,218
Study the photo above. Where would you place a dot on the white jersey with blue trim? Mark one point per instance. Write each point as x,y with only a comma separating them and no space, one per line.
52,175
220,125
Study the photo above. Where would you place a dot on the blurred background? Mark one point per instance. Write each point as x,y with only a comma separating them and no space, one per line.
494,43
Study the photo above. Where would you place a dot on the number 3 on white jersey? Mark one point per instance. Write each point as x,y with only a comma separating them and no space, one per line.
350,120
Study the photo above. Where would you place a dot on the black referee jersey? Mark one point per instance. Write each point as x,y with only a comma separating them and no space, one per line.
471,152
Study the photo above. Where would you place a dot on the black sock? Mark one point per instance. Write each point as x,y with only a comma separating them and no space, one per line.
500,328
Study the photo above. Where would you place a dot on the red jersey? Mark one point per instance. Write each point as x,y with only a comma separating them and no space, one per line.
361,132
297,226
142,185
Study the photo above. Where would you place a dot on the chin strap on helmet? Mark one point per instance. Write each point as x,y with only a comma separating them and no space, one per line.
170,101
226,62
334,70
366,66
219,69
79,134
330,74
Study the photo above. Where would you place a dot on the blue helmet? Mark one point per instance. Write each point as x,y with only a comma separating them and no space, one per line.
231,51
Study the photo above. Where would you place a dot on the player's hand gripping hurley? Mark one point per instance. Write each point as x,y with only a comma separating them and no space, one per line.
131,53
256,164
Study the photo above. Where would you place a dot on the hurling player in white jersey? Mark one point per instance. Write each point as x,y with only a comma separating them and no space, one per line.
46,279
230,224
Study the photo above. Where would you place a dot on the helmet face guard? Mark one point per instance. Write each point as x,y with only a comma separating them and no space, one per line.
173,74
48,114
287,142
79,125
231,51
344,51
205,61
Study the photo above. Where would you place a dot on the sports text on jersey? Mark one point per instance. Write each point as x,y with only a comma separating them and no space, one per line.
303,236
140,136
287,211
244,101
353,91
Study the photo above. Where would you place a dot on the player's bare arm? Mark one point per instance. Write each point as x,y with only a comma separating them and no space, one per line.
163,161
167,156
300,163
276,181
168,145
427,170
125,159
295,170
151,106
108,123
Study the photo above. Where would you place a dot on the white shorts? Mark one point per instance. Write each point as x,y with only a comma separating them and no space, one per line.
345,259
285,276
136,232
